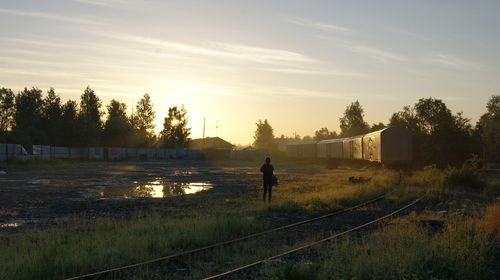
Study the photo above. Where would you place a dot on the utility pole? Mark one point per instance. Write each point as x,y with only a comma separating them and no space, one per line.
203,127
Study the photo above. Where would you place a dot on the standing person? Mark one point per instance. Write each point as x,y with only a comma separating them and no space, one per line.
267,176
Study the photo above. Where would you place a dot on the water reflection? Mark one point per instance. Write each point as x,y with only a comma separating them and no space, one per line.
156,189
10,225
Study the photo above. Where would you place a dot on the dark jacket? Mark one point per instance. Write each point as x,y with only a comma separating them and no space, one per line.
267,172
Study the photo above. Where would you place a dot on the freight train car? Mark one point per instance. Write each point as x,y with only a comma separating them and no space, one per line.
303,149
388,145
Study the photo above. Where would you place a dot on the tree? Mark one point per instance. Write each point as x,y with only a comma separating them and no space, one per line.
51,113
488,128
175,133
377,126
143,122
117,128
323,134
352,123
439,137
90,117
264,136
432,114
71,131
406,118
27,117
6,112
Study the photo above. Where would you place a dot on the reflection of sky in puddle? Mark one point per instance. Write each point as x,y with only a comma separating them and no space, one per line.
156,189
10,225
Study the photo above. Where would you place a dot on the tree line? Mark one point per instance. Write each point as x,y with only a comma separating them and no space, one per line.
30,117
440,137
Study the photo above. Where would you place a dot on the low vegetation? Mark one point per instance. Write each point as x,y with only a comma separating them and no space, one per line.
453,234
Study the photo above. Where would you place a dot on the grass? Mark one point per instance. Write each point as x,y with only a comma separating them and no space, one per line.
330,190
460,243
405,248
81,246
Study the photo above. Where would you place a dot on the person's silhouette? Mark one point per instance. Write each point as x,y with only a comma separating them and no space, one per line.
267,176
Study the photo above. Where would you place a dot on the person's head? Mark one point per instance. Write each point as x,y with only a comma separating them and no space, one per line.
268,160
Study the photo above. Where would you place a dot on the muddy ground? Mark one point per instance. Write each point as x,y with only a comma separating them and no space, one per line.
39,194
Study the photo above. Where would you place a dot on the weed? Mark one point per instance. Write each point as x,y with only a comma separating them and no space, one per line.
293,271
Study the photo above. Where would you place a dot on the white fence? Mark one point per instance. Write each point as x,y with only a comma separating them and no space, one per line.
12,152
44,152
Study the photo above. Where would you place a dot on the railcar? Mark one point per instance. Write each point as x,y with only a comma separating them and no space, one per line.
303,149
388,145
331,148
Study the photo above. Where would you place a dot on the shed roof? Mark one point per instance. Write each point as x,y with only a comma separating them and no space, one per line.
210,143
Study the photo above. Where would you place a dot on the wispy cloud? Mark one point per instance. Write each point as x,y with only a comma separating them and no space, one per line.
316,72
376,53
310,93
49,16
451,61
220,49
372,52
318,25
103,3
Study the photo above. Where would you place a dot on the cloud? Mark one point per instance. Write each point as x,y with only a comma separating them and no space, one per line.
221,50
262,54
318,25
49,16
451,61
103,3
376,53
304,71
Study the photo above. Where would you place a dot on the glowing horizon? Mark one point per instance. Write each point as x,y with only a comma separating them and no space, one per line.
292,63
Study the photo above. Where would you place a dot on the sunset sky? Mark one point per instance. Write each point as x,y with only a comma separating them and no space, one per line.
296,63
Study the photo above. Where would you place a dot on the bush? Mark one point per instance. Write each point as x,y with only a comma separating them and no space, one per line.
468,177
298,272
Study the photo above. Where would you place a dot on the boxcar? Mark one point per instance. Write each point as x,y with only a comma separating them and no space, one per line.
388,145
353,148
303,149
330,149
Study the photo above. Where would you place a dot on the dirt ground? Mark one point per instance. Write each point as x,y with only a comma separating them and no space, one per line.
38,194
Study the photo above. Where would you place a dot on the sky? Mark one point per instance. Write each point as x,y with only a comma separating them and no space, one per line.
298,64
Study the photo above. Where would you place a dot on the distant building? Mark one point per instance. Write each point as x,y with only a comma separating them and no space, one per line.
212,147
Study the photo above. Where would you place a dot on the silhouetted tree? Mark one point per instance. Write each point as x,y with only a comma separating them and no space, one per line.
117,128
377,126
264,136
352,123
70,126
28,116
90,117
323,134
143,122
175,133
51,113
439,137
406,118
7,111
488,128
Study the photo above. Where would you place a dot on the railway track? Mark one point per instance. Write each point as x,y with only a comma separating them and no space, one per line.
293,232
240,269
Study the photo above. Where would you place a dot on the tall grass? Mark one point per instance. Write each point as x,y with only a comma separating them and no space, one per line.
331,190
84,246
404,250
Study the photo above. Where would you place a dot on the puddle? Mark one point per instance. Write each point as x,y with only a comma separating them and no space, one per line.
40,182
156,189
10,225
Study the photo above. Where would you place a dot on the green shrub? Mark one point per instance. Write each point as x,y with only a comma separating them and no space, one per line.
293,271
